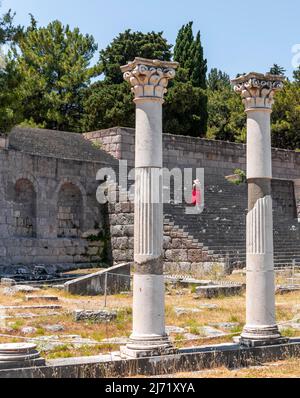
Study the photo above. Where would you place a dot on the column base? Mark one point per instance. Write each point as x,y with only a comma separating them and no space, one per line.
261,336
19,355
148,347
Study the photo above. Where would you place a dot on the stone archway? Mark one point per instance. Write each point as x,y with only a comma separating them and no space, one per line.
69,211
24,208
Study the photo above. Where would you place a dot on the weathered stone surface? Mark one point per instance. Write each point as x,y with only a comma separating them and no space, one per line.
185,311
10,291
31,307
195,282
7,282
287,289
44,298
209,331
54,328
117,279
208,306
191,336
27,152
174,329
116,340
101,316
225,325
216,291
19,355
50,343
29,315
28,330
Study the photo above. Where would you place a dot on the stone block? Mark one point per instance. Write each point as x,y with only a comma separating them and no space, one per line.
101,316
217,291
117,279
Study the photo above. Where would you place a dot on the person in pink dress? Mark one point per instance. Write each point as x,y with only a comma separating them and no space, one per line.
196,193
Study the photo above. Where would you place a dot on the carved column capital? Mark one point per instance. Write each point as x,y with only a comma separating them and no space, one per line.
257,89
149,78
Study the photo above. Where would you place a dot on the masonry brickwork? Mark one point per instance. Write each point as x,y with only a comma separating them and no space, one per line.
48,205
218,234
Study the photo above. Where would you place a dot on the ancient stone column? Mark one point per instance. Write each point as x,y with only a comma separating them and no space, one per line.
257,91
149,80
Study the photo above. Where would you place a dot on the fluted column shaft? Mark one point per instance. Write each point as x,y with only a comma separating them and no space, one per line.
149,80
257,92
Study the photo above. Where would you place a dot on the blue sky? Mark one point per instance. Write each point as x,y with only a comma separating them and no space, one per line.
238,36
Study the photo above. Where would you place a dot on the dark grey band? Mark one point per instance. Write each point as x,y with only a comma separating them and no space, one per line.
258,188
153,267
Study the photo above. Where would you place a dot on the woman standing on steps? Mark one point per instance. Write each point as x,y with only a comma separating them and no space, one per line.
196,194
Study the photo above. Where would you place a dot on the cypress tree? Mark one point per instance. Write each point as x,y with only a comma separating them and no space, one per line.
189,52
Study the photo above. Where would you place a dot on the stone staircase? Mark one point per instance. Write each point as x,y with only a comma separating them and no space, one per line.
220,231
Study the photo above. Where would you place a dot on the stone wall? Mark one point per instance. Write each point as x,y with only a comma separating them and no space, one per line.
113,280
219,159
48,208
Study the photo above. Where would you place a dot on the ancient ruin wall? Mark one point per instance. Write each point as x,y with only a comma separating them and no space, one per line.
48,210
219,159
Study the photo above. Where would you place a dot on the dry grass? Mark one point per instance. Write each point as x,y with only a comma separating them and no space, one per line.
282,369
230,309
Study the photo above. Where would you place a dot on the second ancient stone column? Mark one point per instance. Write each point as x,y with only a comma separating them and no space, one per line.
149,80
257,91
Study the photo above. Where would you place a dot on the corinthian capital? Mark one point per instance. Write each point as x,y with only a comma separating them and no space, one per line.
149,78
257,89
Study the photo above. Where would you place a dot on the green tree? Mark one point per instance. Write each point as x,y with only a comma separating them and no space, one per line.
183,111
286,117
108,105
277,70
296,76
217,80
226,114
188,51
128,45
8,31
10,112
10,104
54,65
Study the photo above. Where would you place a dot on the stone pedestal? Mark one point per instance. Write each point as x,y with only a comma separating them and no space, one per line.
257,91
149,80
19,355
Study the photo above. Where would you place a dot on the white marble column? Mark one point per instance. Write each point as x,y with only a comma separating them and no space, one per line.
257,91
149,80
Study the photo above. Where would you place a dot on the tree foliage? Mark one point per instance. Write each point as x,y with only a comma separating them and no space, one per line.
128,45
226,114
46,81
217,80
108,105
10,106
188,51
8,31
54,63
185,110
277,70
286,117
9,78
